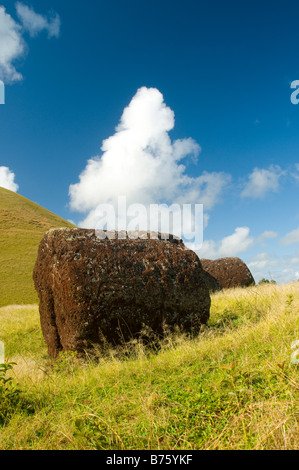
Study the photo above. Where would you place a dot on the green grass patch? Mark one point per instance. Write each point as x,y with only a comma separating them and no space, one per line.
232,387
22,226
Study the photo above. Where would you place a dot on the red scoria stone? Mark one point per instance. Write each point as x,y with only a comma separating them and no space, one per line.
229,272
93,290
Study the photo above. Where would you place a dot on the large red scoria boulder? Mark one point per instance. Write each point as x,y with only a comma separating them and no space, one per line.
229,272
212,283
92,289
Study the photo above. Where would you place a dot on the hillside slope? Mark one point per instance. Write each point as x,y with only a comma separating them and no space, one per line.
22,225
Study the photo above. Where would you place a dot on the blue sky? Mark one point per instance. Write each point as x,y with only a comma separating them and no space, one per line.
224,69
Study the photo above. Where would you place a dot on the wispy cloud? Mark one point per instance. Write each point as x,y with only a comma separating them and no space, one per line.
2,92
282,269
267,235
261,181
12,44
290,238
295,172
142,163
34,22
7,179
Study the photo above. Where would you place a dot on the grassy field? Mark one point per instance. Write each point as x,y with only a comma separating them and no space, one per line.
232,387
22,226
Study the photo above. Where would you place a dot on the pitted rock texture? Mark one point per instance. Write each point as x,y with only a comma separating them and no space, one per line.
93,290
229,272
211,282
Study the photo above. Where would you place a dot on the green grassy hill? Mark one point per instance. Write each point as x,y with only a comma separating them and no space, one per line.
22,225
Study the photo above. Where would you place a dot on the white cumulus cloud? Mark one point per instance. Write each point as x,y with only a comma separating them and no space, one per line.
12,47
229,246
7,179
141,162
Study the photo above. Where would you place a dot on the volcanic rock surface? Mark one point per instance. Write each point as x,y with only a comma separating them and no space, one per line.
229,272
94,290
212,283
